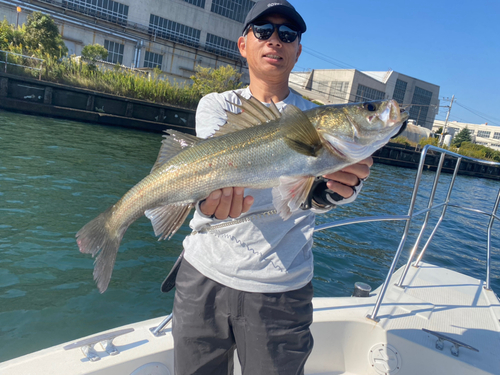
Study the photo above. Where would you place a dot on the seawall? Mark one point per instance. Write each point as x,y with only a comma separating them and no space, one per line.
409,157
31,96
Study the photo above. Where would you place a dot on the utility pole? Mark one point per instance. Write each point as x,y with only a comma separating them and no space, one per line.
446,121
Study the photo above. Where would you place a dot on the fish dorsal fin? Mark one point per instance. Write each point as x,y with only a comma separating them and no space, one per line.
253,112
166,220
301,135
290,194
172,144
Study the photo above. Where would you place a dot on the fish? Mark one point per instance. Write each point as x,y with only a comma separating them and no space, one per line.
256,148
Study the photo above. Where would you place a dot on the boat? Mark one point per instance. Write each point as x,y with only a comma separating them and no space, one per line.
424,319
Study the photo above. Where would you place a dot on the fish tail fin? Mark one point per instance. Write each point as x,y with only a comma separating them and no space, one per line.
100,239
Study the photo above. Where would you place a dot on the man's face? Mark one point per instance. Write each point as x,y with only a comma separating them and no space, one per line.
270,59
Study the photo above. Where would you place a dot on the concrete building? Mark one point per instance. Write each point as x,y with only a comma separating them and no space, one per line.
482,134
173,35
336,86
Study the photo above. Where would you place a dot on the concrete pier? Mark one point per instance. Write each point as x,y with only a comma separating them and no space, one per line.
31,96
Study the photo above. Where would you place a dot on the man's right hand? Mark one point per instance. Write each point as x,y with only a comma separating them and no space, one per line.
226,202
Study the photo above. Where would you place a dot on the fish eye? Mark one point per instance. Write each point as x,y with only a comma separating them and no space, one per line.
370,107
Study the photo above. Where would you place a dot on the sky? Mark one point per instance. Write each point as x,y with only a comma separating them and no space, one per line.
452,44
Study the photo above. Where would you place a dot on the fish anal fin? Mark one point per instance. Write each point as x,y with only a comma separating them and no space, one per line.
290,194
167,219
172,144
301,136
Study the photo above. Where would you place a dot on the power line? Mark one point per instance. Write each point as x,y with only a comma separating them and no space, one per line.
479,114
342,64
326,58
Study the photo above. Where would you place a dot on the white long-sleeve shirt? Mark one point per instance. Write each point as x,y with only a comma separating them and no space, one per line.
259,251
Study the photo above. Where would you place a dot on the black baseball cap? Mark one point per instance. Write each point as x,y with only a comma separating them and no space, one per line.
282,7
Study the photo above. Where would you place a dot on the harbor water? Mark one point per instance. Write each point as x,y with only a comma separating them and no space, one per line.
56,175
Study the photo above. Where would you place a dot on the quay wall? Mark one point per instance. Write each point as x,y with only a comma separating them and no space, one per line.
409,157
35,97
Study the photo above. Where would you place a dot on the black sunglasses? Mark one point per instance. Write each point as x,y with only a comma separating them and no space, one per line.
263,31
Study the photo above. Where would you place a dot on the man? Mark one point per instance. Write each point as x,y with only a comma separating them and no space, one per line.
246,283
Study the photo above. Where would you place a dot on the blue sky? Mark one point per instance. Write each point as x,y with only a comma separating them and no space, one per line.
452,44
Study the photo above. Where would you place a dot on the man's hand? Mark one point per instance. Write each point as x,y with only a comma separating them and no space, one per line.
341,182
227,202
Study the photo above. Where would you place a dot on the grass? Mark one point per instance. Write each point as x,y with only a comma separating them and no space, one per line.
120,82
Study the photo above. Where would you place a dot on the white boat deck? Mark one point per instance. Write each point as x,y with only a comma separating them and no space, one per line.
346,341
436,299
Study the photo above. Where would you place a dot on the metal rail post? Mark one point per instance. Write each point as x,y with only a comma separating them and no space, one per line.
426,220
488,254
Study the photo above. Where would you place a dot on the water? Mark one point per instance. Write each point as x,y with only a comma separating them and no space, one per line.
56,175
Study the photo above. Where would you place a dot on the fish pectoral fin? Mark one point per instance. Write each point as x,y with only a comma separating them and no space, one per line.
290,194
172,144
301,136
166,220
253,112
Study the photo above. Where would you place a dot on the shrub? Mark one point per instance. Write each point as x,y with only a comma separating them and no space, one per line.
94,52
207,80
402,140
428,141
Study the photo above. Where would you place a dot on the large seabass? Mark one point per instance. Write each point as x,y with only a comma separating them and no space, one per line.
258,148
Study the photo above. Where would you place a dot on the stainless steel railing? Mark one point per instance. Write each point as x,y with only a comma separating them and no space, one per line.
412,213
23,60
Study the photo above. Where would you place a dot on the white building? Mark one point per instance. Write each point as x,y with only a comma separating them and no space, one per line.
336,86
482,134
173,35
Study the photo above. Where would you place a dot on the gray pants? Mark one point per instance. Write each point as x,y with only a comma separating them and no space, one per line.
270,330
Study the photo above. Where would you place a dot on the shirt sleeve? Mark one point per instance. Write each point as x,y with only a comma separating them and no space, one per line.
210,115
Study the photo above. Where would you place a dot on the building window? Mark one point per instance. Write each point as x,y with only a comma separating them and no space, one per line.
115,52
422,100
496,135
108,10
153,60
399,91
198,3
222,47
233,9
176,32
334,91
338,90
483,134
367,93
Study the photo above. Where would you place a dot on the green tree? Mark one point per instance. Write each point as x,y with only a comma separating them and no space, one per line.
6,33
41,33
439,131
463,136
94,52
10,36
207,80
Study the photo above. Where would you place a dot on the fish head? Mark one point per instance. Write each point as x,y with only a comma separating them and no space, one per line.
355,131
